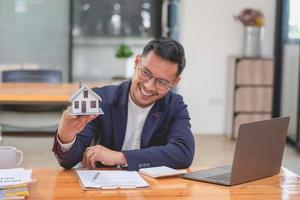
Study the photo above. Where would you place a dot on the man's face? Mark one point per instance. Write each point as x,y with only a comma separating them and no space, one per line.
162,75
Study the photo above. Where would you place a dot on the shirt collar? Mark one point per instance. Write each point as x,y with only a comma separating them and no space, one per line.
137,108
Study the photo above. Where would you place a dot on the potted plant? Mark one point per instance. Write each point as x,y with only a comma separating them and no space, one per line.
253,21
124,55
123,51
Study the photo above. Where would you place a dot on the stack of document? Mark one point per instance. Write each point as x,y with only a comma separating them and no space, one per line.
14,183
113,179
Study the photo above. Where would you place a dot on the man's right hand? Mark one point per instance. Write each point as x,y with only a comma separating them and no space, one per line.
70,125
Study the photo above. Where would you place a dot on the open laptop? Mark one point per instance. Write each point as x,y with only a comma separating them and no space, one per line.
258,154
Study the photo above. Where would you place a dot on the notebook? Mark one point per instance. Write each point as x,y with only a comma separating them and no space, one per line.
161,171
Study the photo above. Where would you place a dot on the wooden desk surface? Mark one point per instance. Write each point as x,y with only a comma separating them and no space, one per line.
32,93
62,184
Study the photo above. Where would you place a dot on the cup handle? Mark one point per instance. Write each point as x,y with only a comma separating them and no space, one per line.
21,157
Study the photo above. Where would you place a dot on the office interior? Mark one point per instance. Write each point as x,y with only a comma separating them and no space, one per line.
79,38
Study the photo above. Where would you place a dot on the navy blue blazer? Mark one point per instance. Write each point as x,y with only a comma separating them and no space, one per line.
166,137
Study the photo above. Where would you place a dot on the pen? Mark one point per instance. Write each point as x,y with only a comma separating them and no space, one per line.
95,176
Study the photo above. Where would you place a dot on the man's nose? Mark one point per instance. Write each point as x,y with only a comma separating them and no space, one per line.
150,84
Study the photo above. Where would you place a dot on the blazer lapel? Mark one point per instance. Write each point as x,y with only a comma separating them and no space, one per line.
119,116
150,125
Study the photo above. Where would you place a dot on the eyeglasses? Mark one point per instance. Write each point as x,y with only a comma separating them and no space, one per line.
160,83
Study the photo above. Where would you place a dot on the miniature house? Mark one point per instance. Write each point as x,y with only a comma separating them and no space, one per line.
85,102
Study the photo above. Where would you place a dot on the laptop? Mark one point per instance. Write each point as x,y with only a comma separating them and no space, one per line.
258,154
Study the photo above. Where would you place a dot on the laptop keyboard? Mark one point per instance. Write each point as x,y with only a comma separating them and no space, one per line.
222,178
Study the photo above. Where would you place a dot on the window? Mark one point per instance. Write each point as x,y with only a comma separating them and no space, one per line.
85,94
115,18
294,19
93,104
291,18
76,104
28,47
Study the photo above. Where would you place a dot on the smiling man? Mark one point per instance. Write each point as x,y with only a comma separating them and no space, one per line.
145,124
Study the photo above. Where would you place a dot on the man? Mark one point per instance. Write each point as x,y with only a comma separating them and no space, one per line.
144,123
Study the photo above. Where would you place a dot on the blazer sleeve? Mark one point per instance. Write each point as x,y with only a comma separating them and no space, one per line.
83,139
177,153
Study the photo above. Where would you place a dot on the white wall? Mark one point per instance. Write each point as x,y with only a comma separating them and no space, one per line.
210,34
94,59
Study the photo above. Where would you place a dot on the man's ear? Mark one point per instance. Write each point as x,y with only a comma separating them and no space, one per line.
176,82
137,61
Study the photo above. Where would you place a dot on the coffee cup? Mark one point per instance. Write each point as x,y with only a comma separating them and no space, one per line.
8,157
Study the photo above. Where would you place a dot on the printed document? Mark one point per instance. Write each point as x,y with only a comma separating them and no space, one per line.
9,177
113,179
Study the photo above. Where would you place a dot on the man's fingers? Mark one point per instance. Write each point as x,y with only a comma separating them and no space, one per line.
92,161
67,114
82,118
104,163
82,123
83,162
86,161
87,118
89,159
80,126
89,153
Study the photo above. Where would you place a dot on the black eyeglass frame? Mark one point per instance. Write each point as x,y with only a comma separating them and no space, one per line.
148,74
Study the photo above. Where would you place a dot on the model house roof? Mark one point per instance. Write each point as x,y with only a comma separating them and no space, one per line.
83,87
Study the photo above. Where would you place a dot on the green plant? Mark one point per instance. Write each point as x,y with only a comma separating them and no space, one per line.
123,51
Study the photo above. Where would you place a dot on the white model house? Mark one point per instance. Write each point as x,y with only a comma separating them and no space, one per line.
85,102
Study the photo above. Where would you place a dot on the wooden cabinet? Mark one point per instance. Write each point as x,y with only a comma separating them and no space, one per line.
249,91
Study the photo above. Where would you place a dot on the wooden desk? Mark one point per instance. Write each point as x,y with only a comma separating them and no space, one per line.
38,93
62,184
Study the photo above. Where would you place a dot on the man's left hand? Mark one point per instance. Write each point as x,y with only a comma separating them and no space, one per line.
99,153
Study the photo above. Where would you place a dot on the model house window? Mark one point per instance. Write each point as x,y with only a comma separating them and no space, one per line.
76,104
85,94
93,104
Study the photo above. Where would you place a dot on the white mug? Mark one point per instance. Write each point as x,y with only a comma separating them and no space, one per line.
8,157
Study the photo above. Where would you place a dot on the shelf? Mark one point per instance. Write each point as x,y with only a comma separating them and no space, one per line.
110,41
251,112
254,86
249,92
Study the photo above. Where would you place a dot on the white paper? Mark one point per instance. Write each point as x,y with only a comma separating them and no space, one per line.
161,171
111,179
14,176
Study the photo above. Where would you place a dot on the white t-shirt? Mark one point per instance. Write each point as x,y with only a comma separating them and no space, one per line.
136,118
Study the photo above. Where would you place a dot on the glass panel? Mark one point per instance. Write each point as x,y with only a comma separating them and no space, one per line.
76,104
113,18
290,86
294,19
34,34
93,104
85,94
99,27
289,100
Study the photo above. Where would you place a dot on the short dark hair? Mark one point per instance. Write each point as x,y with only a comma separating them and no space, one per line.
167,49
